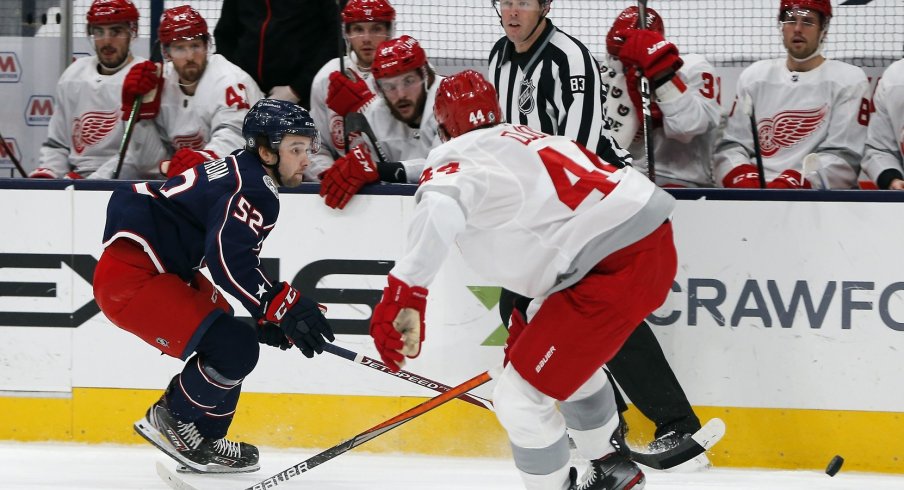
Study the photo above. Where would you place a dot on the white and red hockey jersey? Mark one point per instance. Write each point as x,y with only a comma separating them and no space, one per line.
531,212
86,129
399,141
813,122
212,118
885,136
330,125
685,139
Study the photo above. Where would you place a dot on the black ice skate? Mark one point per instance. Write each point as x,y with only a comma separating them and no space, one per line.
182,442
611,472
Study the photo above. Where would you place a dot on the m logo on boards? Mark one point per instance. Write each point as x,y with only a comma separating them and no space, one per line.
39,110
13,147
10,69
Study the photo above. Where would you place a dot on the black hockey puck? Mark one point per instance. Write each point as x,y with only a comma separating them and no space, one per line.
834,465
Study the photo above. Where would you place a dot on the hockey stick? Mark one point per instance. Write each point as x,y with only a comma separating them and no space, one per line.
383,427
687,449
127,136
12,157
747,106
406,375
645,96
357,122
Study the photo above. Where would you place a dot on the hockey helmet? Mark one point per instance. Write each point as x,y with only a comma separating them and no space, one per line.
397,56
179,23
273,118
113,12
466,101
368,11
628,19
824,7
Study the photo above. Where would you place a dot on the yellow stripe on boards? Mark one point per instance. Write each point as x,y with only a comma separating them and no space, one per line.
798,439
755,437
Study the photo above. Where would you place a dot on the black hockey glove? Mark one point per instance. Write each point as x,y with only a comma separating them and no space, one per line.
305,325
272,335
300,319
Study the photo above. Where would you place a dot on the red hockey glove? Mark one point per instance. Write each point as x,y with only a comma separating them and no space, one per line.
42,173
397,324
300,319
74,176
633,81
656,57
516,326
346,177
142,79
184,159
344,95
789,179
744,176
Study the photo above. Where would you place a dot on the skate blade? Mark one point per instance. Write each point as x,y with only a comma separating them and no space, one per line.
152,435
216,469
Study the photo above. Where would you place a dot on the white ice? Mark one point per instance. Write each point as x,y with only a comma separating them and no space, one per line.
76,466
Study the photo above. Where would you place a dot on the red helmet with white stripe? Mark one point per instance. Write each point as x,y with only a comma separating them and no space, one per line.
824,7
397,56
112,12
466,101
368,11
629,19
180,23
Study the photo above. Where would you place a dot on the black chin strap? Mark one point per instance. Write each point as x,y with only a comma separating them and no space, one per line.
275,169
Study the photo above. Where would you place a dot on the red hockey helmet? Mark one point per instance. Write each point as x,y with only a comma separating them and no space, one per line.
397,56
112,12
180,23
368,11
824,7
629,19
466,101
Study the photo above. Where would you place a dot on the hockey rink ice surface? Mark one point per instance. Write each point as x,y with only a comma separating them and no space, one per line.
78,466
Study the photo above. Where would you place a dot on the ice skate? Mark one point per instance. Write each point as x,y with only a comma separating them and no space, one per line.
182,442
611,472
671,439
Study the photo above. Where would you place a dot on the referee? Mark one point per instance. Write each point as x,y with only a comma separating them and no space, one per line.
549,81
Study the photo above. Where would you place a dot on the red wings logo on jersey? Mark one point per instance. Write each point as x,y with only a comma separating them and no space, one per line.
91,128
337,132
190,141
788,128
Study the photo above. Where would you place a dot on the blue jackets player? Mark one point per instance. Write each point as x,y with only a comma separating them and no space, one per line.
147,282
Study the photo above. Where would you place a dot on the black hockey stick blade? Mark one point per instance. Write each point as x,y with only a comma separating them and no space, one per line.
689,448
127,136
405,375
357,122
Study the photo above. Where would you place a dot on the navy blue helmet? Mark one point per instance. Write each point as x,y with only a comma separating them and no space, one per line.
273,118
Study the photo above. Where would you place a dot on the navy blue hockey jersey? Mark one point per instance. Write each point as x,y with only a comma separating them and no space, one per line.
217,214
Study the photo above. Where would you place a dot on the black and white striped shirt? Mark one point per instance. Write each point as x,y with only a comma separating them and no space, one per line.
554,87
